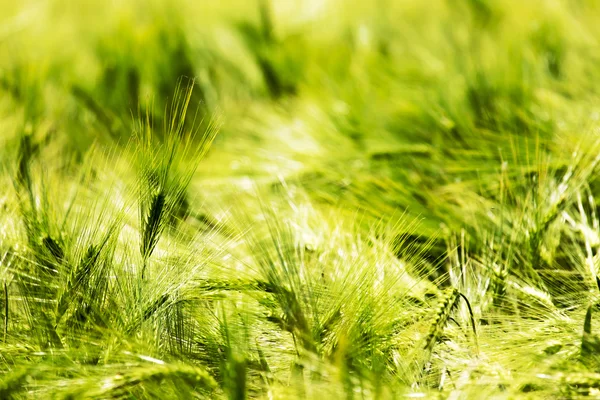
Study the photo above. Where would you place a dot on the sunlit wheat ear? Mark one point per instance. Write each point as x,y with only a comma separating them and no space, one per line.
498,284
445,307
440,318
166,169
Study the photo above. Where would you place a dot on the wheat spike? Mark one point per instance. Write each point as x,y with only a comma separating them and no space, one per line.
443,310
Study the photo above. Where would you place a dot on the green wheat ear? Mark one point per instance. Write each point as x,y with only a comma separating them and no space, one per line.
498,278
444,308
443,311
166,168
590,343
25,156
153,225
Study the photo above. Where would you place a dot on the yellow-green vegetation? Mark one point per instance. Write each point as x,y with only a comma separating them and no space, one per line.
314,199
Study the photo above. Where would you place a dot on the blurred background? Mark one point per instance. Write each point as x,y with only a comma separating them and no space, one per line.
374,106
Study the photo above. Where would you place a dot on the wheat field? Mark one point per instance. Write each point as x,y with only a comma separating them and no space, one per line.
299,199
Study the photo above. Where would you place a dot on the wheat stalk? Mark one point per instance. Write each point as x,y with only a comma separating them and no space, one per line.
5,310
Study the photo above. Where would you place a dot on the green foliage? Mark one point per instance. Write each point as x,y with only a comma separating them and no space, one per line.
401,200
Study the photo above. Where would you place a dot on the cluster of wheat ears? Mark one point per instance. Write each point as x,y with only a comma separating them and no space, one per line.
314,199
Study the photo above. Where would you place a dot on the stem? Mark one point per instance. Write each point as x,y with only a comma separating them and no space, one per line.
5,310
472,321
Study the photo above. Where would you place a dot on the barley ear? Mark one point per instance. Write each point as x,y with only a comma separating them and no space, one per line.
444,308
152,227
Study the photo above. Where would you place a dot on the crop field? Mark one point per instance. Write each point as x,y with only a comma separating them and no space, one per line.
299,199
